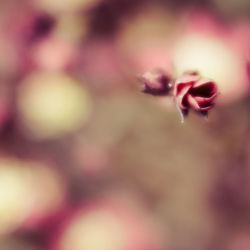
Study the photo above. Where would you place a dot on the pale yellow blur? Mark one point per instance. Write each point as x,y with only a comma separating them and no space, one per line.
97,230
28,191
51,105
56,6
151,26
145,39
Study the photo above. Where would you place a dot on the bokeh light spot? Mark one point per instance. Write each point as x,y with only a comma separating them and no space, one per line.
51,105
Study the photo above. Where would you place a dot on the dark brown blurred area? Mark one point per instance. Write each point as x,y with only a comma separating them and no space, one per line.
88,161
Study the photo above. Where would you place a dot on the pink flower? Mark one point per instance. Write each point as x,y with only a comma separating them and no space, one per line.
191,91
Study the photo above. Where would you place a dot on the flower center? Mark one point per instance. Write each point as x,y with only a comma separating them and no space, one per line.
205,90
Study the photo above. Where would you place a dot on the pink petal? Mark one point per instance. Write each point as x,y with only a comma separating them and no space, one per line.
188,78
185,79
180,86
201,100
207,108
181,96
192,102
202,81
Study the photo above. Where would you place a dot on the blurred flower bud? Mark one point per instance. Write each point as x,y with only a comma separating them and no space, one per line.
192,91
156,83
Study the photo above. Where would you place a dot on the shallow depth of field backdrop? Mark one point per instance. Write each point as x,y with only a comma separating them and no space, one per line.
88,161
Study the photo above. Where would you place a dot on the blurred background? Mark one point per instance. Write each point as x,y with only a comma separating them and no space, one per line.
87,161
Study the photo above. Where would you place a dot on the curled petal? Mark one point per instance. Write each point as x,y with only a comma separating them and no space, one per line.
180,86
192,102
205,103
202,81
181,98
188,78
202,100
206,107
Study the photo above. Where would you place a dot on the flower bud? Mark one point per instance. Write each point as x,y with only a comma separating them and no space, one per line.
156,83
191,91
